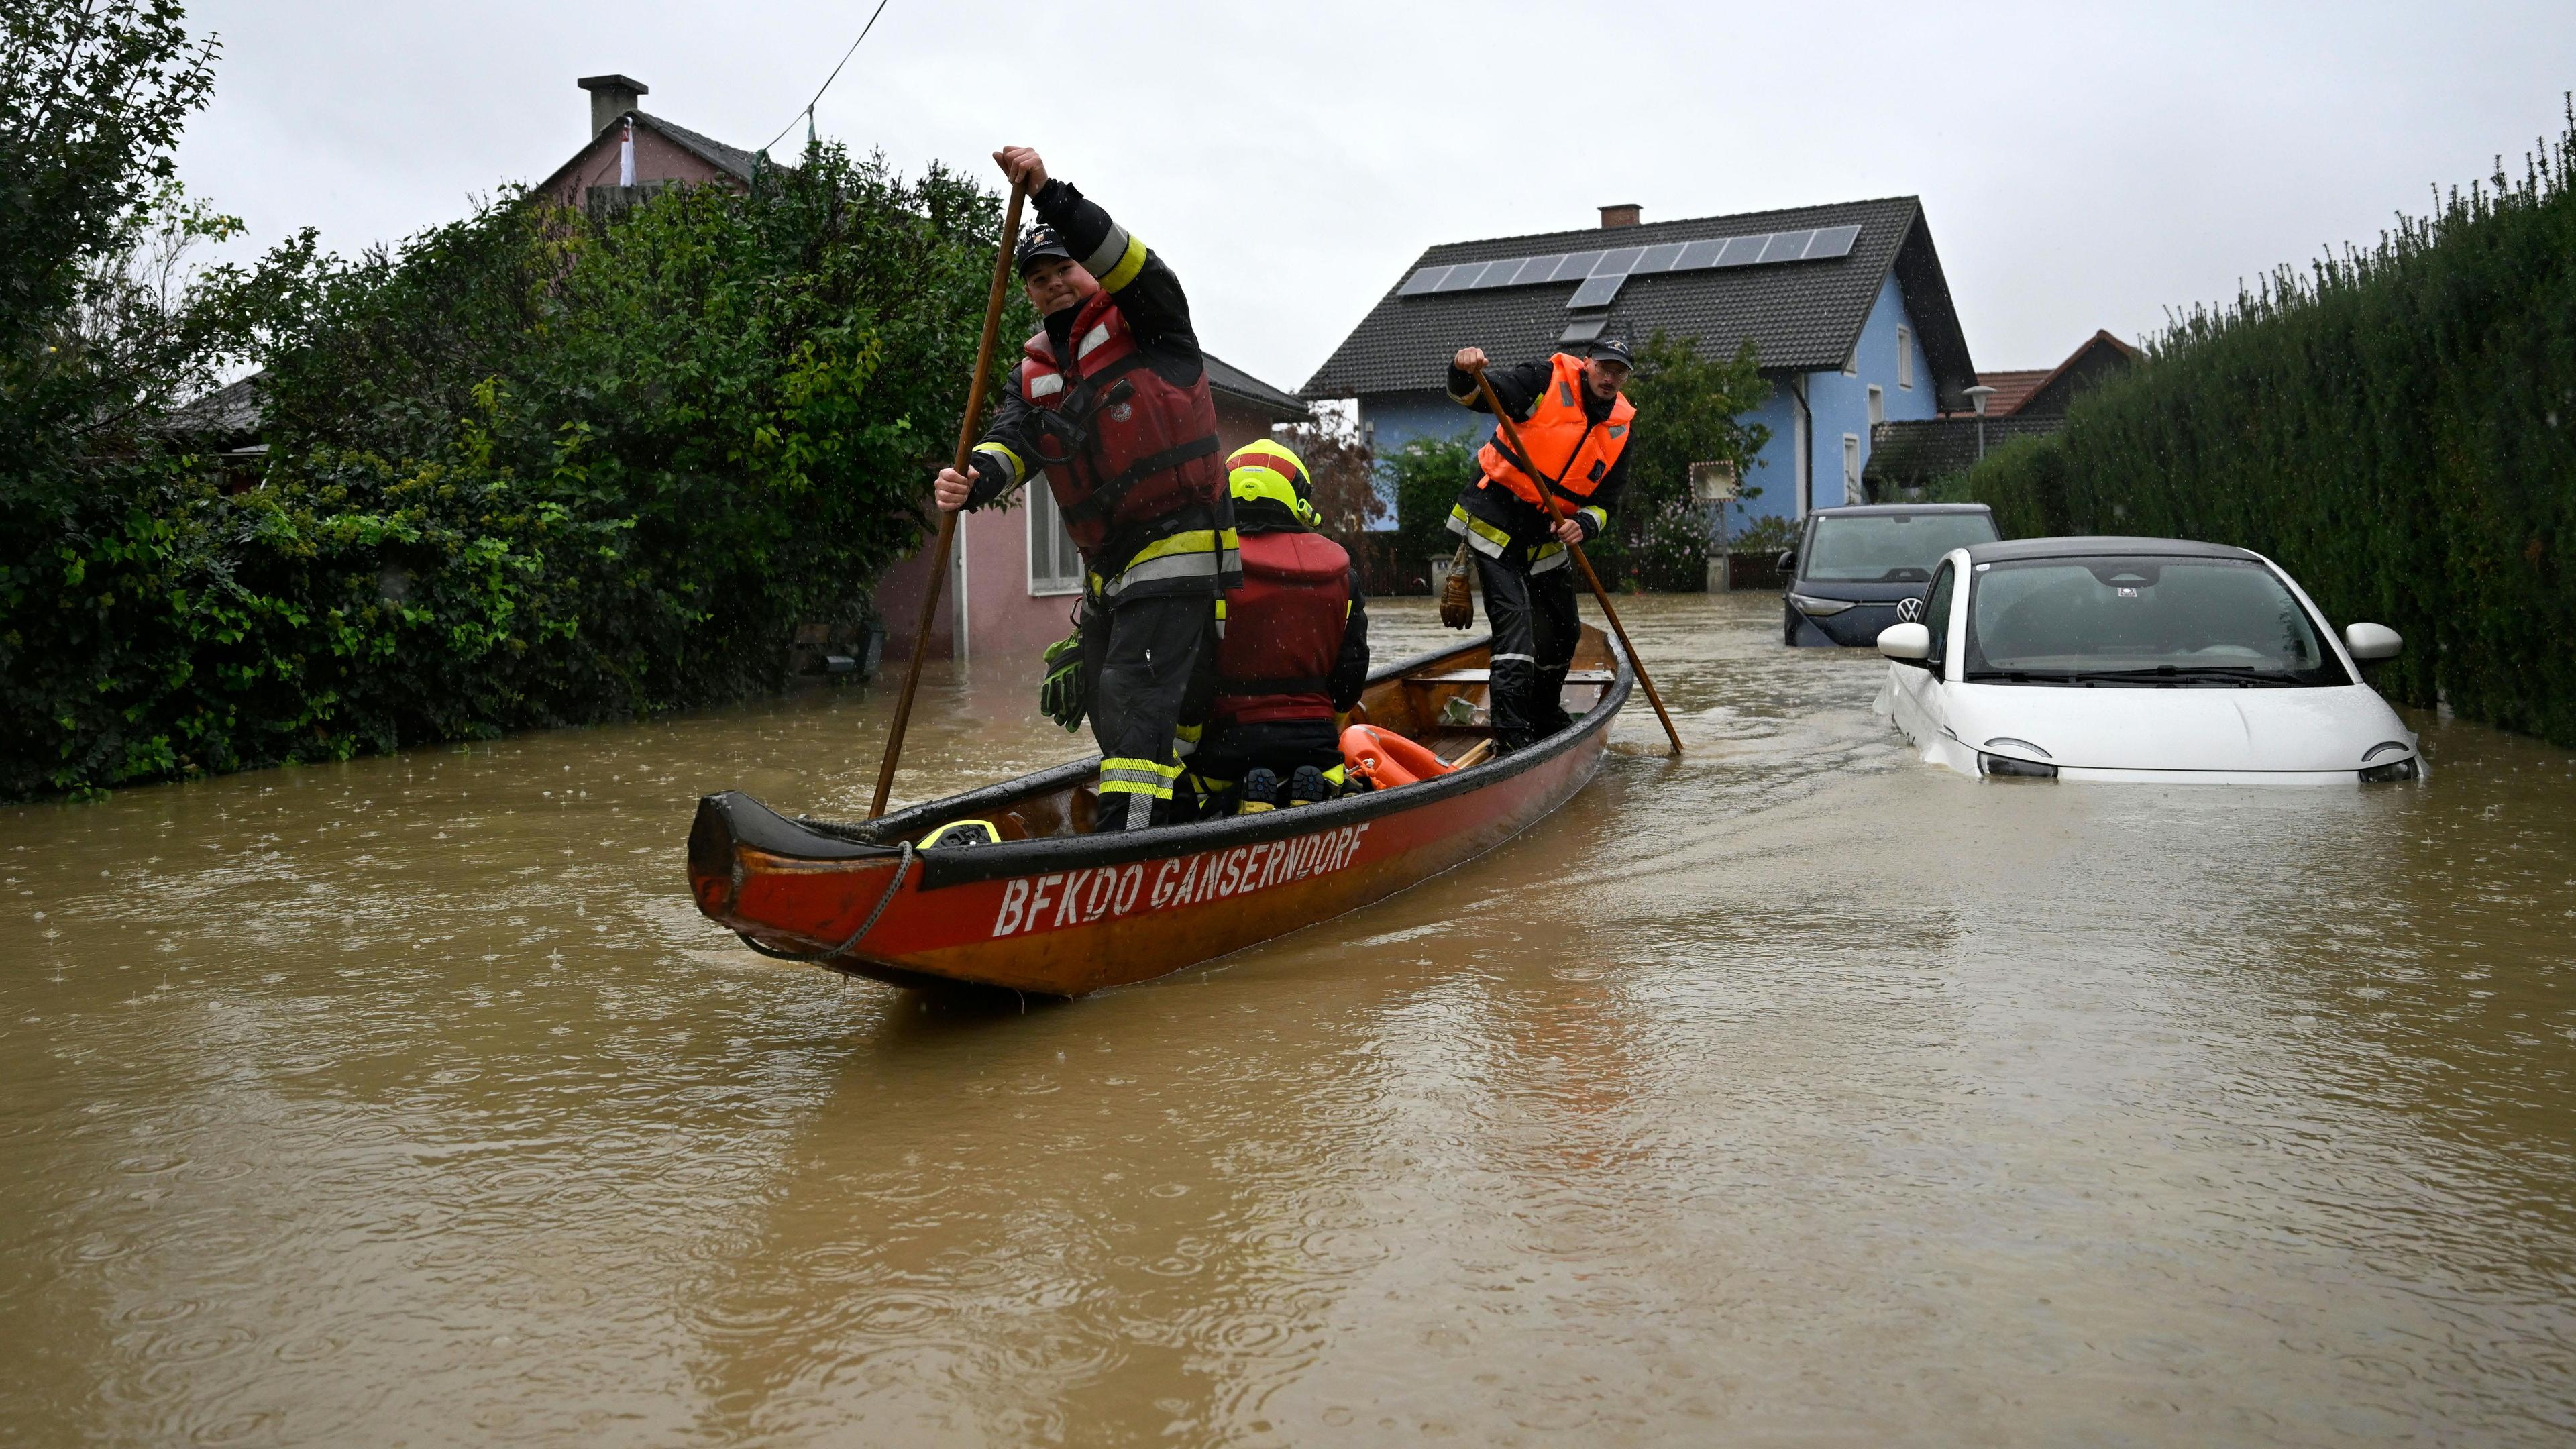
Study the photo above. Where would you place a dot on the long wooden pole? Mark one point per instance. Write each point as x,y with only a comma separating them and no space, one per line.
1547,496
948,519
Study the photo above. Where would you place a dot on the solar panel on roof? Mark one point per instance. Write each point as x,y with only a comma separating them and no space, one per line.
1612,263
1786,246
1698,254
1656,259
1597,291
1421,281
1575,267
1833,241
1741,251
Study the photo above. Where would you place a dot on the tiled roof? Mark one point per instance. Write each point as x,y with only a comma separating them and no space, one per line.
728,159
731,160
2010,388
1802,316
227,417
1233,381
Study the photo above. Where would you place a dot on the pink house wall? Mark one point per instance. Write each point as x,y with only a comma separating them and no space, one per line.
657,158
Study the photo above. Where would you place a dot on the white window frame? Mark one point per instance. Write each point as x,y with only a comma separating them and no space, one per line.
1046,529
1905,359
1877,404
1851,467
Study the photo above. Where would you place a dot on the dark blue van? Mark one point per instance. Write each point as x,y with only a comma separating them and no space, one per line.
1853,566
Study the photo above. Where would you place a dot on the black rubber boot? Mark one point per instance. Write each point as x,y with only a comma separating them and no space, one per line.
1260,791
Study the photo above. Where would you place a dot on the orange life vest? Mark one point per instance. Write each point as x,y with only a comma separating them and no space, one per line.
1120,445
1283,630
1566,448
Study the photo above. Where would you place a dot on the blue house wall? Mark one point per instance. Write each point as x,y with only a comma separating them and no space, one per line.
1837,402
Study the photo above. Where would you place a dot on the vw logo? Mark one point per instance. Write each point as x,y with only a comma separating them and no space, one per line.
1908,610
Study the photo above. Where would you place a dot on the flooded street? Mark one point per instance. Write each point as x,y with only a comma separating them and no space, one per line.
1796,1091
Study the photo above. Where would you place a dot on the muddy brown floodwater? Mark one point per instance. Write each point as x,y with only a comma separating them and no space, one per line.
1795,1091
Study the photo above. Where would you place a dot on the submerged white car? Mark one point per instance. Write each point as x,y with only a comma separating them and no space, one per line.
2138,659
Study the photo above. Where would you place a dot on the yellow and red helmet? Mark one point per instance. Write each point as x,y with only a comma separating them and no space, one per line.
1269,473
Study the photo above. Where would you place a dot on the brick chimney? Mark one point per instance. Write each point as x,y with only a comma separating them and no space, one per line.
612,96
1623,214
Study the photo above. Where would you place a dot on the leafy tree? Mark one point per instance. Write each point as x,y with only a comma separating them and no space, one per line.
1690,409
528,468
1427,473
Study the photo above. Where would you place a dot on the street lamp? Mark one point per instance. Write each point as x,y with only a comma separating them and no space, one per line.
1977,395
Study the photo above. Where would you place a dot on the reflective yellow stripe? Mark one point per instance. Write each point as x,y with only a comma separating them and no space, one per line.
1549,555
1599,516
1126,267
1121,775
1488,540
1187,554
1019,470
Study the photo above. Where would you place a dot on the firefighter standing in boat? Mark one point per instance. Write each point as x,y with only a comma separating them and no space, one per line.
1294,654
1111,402
1578,427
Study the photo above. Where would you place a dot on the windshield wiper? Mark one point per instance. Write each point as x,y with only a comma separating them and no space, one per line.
2242,674
2210,673
2019,676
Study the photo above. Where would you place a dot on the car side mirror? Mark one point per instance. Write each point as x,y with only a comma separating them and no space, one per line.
1788,560
2371,643
1907,644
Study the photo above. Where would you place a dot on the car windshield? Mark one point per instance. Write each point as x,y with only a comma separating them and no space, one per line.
1889,548
2142,620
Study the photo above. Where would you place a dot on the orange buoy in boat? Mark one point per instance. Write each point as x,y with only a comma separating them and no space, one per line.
1388,758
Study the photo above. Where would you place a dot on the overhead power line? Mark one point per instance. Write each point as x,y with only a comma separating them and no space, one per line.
808,111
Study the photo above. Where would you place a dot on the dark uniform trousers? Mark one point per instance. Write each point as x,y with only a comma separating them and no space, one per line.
1535,630
1155,669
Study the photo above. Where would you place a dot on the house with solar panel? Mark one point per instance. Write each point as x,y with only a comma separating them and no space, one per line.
1845,305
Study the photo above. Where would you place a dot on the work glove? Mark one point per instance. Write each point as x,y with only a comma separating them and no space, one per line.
1061,697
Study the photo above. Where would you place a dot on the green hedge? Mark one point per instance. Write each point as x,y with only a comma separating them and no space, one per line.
2396,427
528,469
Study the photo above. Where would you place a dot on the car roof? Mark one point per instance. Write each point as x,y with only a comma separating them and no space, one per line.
2093,547
1865,510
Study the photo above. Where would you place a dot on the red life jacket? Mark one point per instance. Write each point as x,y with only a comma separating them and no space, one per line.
1566,447
1283,630
1120,445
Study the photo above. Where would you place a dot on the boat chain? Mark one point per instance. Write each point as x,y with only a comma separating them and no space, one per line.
901,866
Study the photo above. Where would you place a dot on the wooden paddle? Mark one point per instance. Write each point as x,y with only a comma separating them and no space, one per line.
1547,496
948,519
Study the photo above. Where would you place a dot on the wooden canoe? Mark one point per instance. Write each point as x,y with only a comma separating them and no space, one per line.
1054,909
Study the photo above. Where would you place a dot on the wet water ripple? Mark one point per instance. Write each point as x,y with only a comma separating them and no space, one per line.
1789,1091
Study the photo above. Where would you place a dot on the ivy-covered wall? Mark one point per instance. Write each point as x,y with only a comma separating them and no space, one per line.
2397,427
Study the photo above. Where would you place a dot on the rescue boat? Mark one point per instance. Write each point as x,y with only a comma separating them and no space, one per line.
1052,908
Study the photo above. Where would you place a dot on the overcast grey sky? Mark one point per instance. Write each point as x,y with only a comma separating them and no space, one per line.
2082,165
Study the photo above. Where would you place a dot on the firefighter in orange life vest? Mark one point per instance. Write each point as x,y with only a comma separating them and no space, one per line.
1293,653
1111,403
1578,427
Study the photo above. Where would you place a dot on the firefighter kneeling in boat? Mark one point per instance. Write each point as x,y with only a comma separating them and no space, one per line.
1111,402
1292,653
1578,427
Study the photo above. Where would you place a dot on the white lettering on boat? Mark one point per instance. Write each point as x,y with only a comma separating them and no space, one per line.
1111,891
